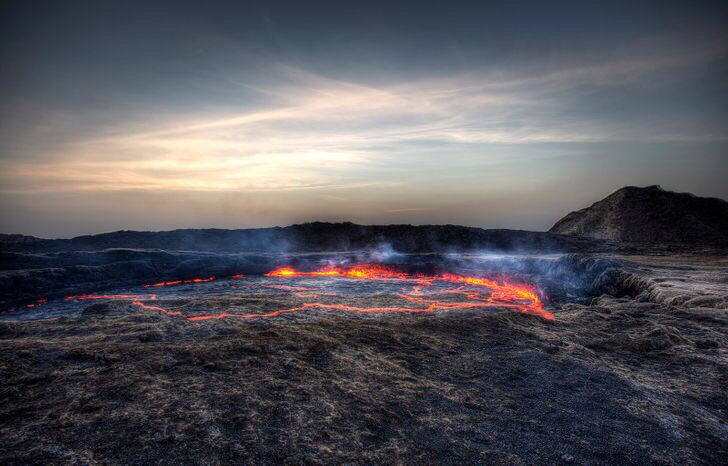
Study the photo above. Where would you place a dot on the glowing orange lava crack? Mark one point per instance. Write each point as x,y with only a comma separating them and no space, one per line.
182,282
363,271
521,297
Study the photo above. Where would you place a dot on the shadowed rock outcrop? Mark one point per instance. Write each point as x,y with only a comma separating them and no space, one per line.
651,215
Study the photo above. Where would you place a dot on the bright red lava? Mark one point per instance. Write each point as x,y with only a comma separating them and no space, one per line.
363,271
481,293
182,282
521,297
37,302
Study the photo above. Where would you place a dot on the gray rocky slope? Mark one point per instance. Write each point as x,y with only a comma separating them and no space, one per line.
651,215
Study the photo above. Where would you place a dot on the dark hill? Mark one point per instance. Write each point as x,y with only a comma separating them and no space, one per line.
315,237
651,215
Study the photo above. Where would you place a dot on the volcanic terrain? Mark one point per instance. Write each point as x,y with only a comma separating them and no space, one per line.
341,343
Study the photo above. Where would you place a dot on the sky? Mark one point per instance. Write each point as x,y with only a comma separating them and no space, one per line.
232,114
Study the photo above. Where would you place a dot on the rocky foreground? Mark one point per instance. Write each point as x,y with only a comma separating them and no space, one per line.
635,377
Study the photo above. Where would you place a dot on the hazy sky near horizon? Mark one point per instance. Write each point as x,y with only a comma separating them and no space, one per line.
158,115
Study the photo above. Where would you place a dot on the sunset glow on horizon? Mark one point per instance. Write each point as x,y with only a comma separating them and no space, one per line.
284,116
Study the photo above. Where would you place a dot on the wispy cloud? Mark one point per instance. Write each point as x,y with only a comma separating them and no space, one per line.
322,133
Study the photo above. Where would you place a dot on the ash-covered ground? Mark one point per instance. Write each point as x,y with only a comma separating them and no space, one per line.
632,369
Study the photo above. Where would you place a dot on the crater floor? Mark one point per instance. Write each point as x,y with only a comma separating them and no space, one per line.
621,378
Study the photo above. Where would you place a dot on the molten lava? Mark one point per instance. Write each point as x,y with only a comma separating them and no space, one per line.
419,294
182,282
364,271
37,302
521,297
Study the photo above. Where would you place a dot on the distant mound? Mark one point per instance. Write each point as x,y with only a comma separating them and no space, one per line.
314,237
651,215
17,239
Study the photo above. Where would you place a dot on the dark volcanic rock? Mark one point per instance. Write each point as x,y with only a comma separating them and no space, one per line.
17,239
312,237
450,389
651,215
